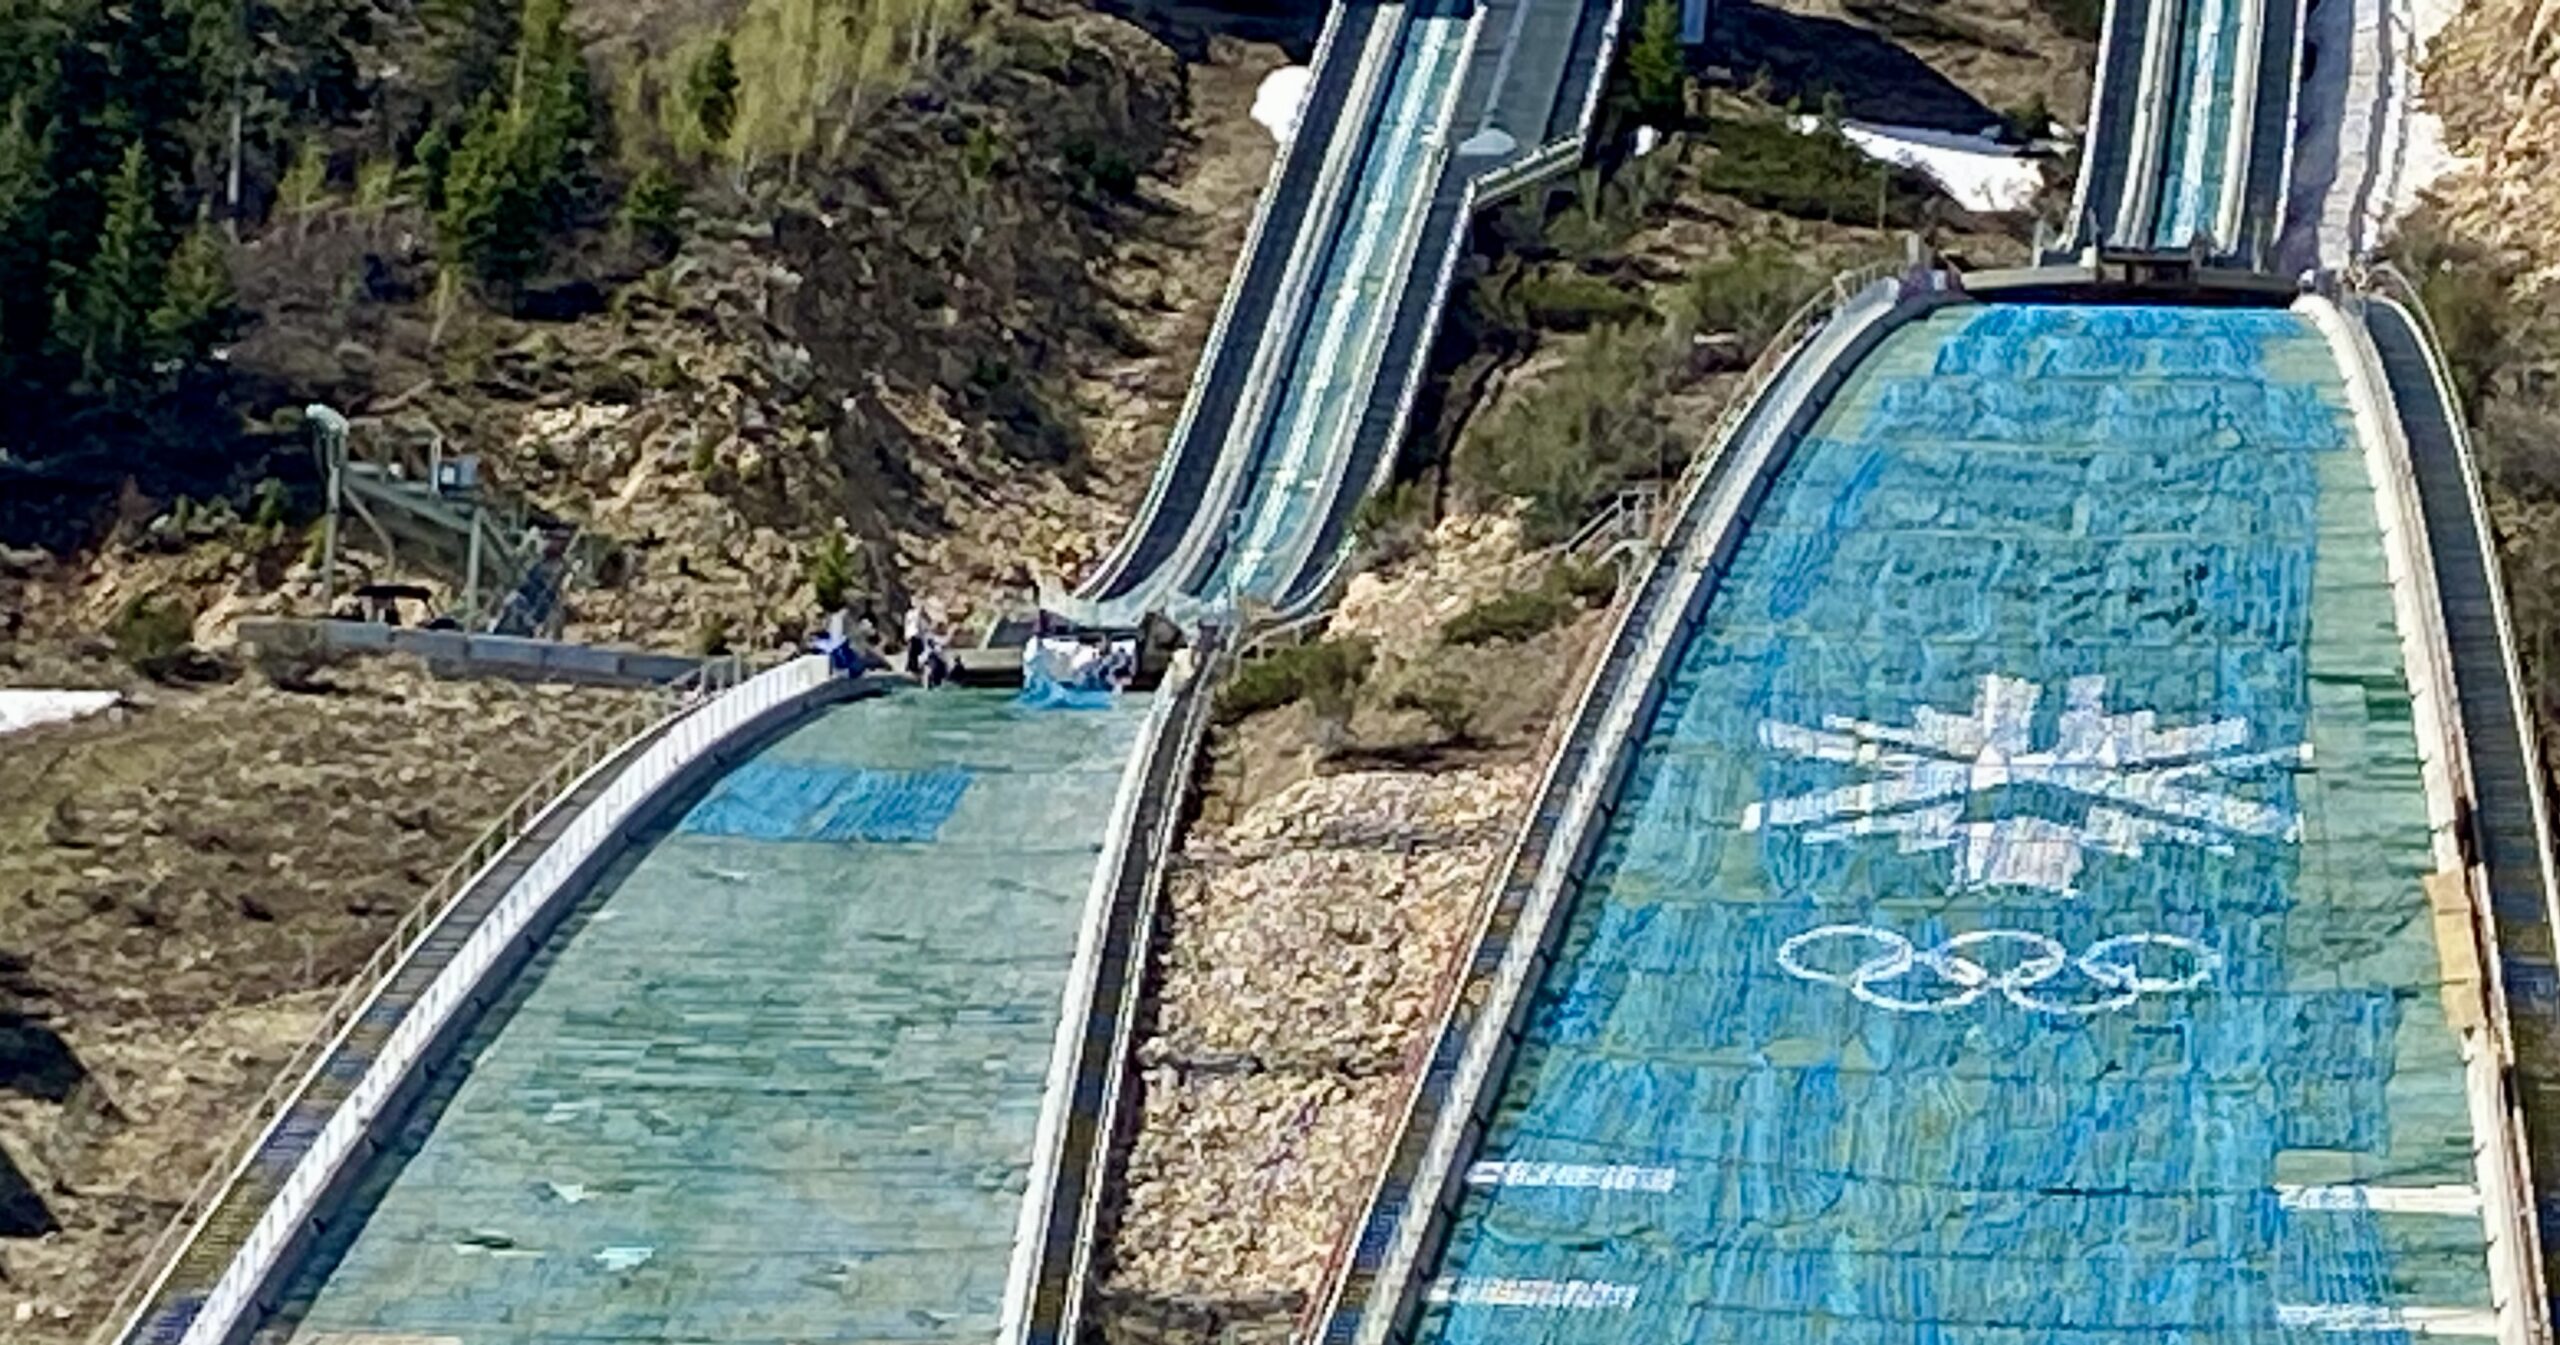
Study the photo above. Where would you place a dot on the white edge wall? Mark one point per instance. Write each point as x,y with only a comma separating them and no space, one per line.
2498,1146
684,753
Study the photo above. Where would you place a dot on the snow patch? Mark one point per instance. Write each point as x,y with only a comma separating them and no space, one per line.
1277,103
24,708
2427,157
1980,173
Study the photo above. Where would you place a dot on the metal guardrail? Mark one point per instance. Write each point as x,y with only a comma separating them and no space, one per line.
2452,795
1798,328
1054,1151
1103,1116
2381,283
235,1167
1316,112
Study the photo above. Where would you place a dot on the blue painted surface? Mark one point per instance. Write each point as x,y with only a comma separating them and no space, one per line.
796,801
2151,980
776,1080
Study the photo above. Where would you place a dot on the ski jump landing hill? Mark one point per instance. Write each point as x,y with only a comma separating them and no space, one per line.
2050,852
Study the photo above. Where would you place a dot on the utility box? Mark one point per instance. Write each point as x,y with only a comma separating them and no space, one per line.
458,475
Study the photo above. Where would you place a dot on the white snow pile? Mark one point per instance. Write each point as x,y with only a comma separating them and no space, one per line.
24,708
1276,103
1980,173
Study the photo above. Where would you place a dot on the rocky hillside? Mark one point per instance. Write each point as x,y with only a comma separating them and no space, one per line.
2493,77
955,345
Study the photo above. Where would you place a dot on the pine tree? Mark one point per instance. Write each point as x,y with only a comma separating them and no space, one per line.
1657,68
197,308
515,174
490,224
711,90
102,318
25,195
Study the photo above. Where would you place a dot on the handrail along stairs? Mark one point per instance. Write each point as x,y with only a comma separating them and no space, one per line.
624,732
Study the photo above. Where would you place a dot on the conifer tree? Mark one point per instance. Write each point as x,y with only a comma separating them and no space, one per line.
197,307
711,89
102,319
1657,69
514,175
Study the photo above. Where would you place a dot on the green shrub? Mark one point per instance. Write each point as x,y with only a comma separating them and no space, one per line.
1766,163
1583,581
711,639
1389,526
1657,66
1102,167
650,209
1516,615
2030,120
1324,674
1444,699
1573,438
711,92
1522,614
267,505
1570,301
1751,293
151,634
830,571
2083,19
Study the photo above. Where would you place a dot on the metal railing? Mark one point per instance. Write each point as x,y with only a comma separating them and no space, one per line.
624,731
1798,328
2369,281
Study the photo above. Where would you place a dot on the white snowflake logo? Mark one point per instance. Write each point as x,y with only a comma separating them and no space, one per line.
2142,783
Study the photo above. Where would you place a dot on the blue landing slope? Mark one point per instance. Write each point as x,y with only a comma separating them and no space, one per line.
2011,931
775,1083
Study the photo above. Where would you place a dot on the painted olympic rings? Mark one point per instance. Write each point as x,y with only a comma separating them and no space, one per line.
2019,961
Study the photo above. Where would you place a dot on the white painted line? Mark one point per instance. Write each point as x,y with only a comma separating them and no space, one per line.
1481,1291
2461,1200
2344,1317
1605,1177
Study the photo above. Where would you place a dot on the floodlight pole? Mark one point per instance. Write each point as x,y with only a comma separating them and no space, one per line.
332,429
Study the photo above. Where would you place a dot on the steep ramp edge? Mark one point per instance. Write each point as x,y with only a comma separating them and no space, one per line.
1181,484
1370,1292
2499,831
231,1259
